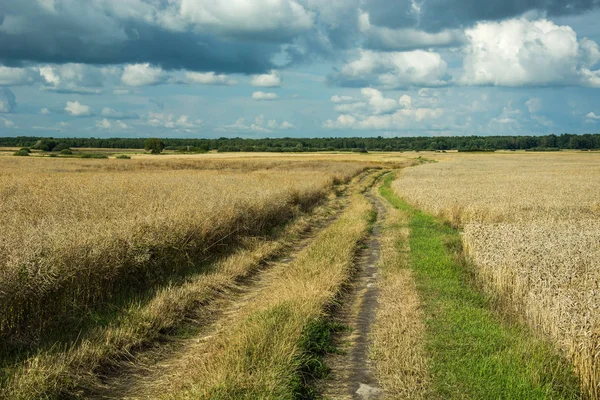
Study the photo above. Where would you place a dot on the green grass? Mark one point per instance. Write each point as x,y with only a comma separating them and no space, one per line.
474,352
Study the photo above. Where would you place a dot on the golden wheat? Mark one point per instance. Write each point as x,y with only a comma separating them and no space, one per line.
74,233
531,225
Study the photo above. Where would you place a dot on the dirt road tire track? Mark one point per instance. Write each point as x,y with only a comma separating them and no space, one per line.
351,372
131,379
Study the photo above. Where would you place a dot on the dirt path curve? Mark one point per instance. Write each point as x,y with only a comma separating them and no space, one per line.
351,373
136,379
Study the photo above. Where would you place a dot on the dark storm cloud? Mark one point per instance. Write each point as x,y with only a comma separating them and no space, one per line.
435,15
82,34
171,50
147,31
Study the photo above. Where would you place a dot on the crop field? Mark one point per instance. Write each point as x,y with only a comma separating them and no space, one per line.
531,226
298,276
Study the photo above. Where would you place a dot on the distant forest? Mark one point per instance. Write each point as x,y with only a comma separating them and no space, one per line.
461,143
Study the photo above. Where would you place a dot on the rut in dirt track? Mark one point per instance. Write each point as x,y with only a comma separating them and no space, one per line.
135,379
351,373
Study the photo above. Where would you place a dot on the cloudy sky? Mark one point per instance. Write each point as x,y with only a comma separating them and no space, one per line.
276,68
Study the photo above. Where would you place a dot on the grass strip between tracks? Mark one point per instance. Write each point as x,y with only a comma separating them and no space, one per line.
474,353
271,349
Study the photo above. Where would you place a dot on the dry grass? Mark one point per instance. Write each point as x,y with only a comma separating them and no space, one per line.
259,353
531,224
77,233
398,334
58,372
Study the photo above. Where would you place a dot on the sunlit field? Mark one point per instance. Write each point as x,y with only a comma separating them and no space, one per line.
74,233
532,227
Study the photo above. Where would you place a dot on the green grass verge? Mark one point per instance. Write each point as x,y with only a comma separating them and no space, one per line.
474,352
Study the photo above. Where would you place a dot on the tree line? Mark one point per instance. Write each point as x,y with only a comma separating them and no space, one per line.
461,143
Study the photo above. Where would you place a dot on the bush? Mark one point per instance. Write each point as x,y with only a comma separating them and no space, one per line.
21,153
25,149
123,157
66,152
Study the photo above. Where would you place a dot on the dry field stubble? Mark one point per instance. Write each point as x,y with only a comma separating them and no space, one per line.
532,226
77,233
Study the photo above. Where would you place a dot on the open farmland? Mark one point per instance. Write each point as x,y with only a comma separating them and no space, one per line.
532,227
245,276
86,233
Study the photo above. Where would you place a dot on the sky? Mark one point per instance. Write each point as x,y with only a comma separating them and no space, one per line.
298,68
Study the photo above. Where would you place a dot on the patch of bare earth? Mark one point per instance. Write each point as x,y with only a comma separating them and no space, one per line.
352,373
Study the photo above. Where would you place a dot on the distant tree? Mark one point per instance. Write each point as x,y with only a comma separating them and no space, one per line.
154,145
61,147
46,144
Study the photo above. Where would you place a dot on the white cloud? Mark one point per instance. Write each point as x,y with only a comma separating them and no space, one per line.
258,126
104,124
15,76
141,75
271,79
593,116
509,119
240,125
589,52
343,121
75,78
395,69
519,52
209,78
8,123
49,75
244,17
534,105
374,101
378,103
8,100
45,111
341,99
77,109
264,96
173,122
378,112
406,101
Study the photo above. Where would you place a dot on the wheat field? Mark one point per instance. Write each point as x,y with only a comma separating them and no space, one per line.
76,233
531,225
